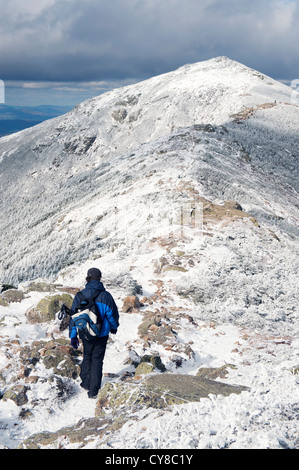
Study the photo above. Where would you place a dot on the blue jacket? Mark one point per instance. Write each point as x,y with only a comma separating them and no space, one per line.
105,306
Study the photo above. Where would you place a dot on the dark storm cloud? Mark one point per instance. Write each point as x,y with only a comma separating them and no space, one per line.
72,40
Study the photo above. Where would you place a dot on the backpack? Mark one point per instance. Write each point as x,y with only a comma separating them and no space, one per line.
85,318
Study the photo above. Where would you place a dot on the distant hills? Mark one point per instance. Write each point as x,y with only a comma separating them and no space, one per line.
16,118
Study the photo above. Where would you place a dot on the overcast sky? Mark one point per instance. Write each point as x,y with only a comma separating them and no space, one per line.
63,51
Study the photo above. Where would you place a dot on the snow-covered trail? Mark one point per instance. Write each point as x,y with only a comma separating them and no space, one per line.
264,417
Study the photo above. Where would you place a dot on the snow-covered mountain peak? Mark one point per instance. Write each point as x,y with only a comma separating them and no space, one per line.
198,123
214,91
206,92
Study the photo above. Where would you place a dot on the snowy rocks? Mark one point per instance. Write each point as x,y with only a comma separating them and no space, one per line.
76,146
121,398
11,295
40,286
57,355
80,434
62,359
163,335
120,115
114,396
149,323
144,368
156,328
145,364
214,373
159,328
35,360
233,205
158,391
131,304
148,364
227,212
181,388
193,292
17,394
38,373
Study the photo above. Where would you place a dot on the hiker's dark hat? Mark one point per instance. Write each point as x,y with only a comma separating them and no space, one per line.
94,273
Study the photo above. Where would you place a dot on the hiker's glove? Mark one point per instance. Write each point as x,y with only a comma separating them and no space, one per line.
113,332
75,343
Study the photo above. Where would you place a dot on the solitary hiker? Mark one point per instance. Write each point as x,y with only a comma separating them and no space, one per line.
94,348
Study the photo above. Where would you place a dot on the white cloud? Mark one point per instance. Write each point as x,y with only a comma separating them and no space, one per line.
283,17
20,11
59,93
99,40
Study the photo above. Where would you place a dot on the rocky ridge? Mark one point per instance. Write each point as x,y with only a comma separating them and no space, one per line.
208,125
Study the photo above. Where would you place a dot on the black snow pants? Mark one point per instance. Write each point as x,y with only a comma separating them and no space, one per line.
92,364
